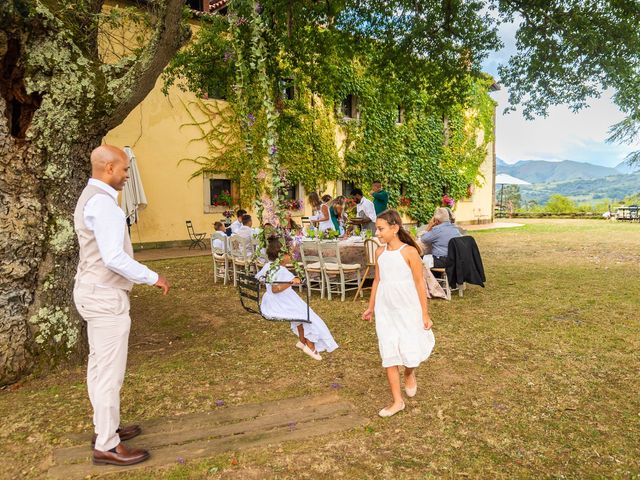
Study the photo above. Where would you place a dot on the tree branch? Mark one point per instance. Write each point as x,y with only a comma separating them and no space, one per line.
130,89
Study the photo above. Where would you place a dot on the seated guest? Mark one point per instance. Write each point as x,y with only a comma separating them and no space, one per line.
218,227
235,226
245,230
439,231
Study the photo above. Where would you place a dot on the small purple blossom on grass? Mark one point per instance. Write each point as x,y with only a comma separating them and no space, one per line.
219,403
181,460
336,385
292,426
273,150
228,55
251,119
258,8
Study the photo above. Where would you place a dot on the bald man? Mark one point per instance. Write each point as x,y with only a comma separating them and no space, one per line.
106,274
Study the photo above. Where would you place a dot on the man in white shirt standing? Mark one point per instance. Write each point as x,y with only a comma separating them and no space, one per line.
365,210
105,276
237,225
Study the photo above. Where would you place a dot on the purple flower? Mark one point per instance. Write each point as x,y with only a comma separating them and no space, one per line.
258,8
273,150
219,403
251,119
228,55
292,426
180,460
336,385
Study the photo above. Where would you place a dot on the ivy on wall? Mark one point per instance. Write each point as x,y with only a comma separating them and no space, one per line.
282,118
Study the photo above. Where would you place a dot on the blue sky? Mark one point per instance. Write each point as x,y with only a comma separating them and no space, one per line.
562,135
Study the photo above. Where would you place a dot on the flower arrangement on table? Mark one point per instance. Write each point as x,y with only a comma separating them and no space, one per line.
293,204
448,201
222,199
228,214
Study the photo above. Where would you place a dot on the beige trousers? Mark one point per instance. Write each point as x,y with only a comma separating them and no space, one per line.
106,311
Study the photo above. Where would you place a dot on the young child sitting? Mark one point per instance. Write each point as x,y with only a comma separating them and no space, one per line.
280,301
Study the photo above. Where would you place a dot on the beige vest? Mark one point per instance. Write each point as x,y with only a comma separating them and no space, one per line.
91,268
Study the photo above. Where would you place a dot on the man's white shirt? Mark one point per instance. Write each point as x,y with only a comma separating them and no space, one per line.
106,220
235,226
366,206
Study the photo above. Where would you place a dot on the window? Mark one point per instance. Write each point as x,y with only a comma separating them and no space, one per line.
349,107
347,186
291,193
287,89
220,192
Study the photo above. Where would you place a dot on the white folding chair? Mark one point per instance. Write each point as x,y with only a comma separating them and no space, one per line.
370,247
240,252
343,276
312,266
220,258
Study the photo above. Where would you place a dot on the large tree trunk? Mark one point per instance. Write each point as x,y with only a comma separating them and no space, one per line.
56,104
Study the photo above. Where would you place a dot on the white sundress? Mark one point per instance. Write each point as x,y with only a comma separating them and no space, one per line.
402,338
287,304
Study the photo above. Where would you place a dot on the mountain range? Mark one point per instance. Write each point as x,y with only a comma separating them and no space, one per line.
583,182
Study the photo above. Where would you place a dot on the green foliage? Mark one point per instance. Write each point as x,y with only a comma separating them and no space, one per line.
418,158
560,204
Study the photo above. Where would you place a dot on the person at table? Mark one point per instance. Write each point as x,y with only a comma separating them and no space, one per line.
366,212
337,213
380,197
245,230
235,226
439,231
218,227
321,218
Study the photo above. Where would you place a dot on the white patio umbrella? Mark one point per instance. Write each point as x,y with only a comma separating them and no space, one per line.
503,179
133,197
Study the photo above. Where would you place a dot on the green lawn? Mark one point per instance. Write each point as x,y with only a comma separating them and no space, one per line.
537,375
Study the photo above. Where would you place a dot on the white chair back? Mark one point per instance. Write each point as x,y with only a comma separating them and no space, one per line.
223,238
240,247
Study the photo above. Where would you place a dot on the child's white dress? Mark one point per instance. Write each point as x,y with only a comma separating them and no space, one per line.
402,338
287,304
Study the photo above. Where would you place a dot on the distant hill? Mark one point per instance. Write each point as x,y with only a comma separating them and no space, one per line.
585,190
623,167
544,171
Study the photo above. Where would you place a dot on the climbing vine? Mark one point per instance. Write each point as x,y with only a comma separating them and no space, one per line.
286,107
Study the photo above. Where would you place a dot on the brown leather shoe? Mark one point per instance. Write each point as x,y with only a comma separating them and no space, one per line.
122,456
125,433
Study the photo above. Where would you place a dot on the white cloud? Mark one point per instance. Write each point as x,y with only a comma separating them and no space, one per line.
562,134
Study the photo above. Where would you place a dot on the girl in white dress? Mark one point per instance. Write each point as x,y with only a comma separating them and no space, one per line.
399,301
280,301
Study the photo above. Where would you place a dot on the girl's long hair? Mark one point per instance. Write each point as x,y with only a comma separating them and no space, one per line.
314,200
393,218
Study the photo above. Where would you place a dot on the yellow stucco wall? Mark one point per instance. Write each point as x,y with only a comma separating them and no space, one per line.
159,133
479,207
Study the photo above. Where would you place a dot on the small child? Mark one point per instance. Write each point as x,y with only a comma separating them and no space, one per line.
280,301
399,300
218,227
